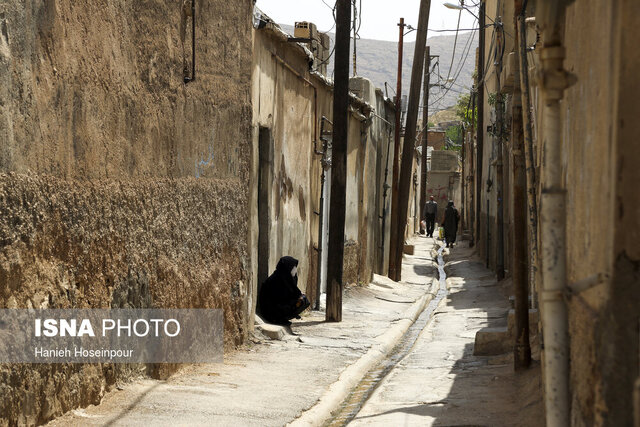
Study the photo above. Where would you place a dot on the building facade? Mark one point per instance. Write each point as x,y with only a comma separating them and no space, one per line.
585,201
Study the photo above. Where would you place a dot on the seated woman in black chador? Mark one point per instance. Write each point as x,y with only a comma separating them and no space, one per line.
279,298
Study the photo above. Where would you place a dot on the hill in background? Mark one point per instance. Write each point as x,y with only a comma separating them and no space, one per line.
377,60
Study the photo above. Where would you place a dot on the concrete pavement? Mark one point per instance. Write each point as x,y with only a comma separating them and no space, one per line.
273,382
441,382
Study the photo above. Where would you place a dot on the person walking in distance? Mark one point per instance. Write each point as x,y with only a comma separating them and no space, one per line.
450,224
430,212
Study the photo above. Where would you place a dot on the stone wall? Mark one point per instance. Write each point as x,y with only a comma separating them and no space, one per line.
119,184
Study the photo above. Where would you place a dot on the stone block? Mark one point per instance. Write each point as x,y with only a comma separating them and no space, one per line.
409,249
492,341
274,332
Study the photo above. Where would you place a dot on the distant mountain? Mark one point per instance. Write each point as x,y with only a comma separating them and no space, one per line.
377,60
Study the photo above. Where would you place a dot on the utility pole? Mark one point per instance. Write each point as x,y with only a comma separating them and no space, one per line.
528,151
480,127
355,31
410,133
521,349
471,201
339,163
396,151
425,121
499,160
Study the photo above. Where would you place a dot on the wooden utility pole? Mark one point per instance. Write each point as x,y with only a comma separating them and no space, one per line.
471,184
480,128
532,204
521,349
396,151
499,161
425,121
339,163
408,146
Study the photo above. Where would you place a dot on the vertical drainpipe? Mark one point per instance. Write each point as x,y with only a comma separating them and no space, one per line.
385,190
324,162
480,123
553,80
499,157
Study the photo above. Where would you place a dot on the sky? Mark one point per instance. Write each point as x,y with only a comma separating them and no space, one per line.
379,17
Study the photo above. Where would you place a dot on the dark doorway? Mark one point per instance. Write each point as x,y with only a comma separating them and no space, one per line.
265,180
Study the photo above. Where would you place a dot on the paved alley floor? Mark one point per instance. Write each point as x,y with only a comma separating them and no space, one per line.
440,382
271,383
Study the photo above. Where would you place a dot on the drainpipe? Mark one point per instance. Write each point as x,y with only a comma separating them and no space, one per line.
553,80
499,158
480,88
385,190
324,164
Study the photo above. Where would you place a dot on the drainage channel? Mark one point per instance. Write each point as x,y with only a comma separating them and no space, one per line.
352,405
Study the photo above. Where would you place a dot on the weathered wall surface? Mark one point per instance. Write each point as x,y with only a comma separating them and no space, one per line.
369,138
603,208
354,245
119,185
443,180
599,142
284,103
383,133
436,139
495,44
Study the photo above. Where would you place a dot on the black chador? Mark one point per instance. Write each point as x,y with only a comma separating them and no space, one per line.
450,224
280,299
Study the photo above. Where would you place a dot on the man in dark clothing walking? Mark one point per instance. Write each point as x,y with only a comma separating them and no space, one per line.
430,212
450,224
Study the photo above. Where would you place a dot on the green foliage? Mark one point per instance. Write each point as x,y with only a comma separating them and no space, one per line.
454,137
464,112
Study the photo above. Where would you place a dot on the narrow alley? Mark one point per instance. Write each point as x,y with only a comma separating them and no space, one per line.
441,382
306,375
319,213
281,372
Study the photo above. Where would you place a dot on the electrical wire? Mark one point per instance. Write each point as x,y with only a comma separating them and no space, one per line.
333,10
461,64
455,43
450,31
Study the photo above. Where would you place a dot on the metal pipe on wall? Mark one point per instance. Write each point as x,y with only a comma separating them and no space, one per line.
553,81
480,124
385,189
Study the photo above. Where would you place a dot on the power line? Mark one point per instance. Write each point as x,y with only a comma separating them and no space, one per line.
455,42
463,61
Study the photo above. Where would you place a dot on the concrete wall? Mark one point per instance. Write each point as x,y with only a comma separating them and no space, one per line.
119,184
